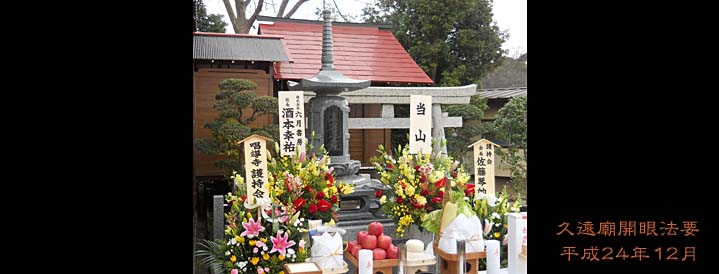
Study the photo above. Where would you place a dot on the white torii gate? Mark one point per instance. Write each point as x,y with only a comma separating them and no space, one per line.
390,96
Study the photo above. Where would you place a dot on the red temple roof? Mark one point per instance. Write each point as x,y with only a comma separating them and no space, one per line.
360,52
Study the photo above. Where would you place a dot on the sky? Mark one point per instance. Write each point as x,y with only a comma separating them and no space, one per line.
511,15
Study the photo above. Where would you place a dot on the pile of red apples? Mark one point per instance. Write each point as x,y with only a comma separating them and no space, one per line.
375,240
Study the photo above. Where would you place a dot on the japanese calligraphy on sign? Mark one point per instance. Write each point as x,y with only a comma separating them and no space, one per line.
484,166
420,124
333,131
256,167
292,122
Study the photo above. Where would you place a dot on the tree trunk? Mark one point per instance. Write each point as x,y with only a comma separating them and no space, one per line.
243,26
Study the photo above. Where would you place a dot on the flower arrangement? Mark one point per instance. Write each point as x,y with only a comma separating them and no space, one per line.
415,184
261,239
492,211
307,183
264,234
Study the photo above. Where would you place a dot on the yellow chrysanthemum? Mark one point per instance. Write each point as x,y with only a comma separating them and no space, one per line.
462,177
252,242
277,191
409,190
436,175
264,240
496,234
421,200
347,189
406,220
266,257
281,257
399,191
255,260
233,259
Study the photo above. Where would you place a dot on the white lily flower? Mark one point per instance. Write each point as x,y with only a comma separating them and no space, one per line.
492,200
487,227
480,195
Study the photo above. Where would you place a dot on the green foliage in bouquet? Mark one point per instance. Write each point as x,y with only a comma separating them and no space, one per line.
432,221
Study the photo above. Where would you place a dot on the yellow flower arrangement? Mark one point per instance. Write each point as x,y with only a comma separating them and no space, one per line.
414,184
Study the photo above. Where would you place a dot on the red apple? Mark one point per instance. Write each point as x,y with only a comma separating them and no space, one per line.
361,236
351,244
379,254
375,228
392,252
354,250
370,242
384,242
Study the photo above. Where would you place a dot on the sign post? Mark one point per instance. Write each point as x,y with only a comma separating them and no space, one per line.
292,122
484,166
256,167
420,124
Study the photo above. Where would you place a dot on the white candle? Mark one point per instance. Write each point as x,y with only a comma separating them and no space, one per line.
493,256
365,261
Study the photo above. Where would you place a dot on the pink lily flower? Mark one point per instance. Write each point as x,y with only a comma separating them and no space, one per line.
252,229
280,243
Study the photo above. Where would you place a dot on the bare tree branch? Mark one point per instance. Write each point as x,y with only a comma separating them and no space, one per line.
272,3
297,5
281,12
338,11
254,15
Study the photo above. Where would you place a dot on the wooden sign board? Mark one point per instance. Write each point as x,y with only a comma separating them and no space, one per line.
420,124
484,164
255,148
292,122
